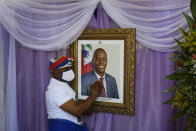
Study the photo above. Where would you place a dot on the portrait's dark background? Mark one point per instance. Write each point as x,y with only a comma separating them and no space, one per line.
150,112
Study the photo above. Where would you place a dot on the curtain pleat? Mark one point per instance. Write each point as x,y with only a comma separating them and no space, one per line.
11,101
2,81
42,24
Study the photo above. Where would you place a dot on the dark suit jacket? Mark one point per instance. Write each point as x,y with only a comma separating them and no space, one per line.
90,78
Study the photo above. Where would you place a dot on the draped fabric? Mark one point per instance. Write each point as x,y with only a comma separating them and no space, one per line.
32,79
45,25
4,50
156,25
150,112
11,101
2,81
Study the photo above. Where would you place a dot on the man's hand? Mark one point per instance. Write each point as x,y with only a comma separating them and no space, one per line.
79,108
96,88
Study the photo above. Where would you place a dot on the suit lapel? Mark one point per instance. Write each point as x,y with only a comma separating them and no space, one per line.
94,77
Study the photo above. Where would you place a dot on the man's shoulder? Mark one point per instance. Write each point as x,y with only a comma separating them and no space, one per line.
109,76
90,73
55,84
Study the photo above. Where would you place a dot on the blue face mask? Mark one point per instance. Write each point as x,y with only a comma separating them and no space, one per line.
68,75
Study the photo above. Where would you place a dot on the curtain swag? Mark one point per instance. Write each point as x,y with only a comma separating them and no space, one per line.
45,25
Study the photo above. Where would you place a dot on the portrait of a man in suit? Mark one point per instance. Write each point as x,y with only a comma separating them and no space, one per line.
99,62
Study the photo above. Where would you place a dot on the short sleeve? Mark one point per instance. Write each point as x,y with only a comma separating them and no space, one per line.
61,95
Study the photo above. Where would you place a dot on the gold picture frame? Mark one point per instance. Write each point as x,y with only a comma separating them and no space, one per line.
120,47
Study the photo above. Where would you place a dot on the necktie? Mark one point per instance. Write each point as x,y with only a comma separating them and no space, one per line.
103,90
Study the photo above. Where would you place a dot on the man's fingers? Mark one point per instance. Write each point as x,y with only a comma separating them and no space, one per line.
98,85
101,87
98,82
91,86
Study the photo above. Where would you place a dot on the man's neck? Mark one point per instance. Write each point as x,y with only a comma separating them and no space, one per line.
61,80
102,75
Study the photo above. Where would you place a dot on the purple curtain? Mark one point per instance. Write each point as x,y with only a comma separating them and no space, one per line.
5,37
32,70
150,112
4,51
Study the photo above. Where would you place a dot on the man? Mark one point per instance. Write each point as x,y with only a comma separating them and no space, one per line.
100,62
63,110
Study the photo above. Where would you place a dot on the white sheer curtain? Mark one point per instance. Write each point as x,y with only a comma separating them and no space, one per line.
45,25
2,84
156,22
11,98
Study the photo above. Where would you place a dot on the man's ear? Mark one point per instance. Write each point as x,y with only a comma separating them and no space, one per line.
56,73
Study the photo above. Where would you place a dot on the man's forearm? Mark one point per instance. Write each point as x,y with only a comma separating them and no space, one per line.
77,109
83,106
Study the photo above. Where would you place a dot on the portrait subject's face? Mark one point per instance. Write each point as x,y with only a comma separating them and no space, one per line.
100,62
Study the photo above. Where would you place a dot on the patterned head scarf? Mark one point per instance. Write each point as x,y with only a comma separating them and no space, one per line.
60,62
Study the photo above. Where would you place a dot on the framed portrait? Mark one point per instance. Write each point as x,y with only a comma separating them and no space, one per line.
109,55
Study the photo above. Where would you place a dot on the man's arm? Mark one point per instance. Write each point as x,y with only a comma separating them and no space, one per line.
77,109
